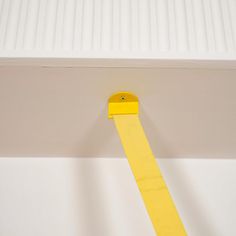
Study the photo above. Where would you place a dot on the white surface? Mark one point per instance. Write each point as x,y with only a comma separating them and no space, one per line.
48,108
118,29
98,197
60,60
62,111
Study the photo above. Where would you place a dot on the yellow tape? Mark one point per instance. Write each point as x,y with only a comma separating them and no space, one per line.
153,189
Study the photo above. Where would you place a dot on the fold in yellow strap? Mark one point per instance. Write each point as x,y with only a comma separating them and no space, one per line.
153,189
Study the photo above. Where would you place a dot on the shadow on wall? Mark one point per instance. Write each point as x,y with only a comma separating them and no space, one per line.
197,220
108,200
158,144
92,212
103,133
98,137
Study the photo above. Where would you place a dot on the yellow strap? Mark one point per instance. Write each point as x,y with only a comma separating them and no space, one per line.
153,189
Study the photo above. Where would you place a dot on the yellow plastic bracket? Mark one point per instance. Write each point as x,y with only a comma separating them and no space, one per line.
123,108
122,103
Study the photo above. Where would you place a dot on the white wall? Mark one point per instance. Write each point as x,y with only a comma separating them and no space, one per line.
60,111
98,196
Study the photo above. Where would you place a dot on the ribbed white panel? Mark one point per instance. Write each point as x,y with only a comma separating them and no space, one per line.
118,28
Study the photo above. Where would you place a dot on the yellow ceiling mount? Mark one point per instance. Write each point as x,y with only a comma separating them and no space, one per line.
122,103
123,108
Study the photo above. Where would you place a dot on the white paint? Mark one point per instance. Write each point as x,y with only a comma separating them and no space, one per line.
98,196
62,111
120,28
178,56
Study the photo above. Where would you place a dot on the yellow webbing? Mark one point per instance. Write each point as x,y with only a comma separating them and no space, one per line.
155,194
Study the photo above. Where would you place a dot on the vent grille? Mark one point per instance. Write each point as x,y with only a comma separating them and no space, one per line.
128,28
